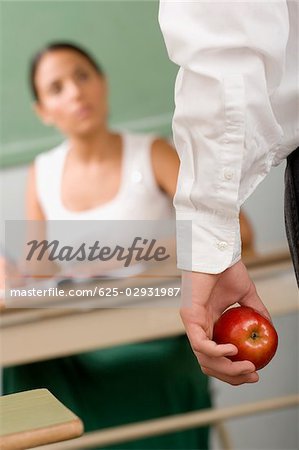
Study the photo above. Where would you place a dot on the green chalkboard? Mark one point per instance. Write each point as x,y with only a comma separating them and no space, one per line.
124,36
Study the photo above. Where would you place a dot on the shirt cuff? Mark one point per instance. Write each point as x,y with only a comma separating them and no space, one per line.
207,242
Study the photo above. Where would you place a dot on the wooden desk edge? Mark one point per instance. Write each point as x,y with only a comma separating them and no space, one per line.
48,435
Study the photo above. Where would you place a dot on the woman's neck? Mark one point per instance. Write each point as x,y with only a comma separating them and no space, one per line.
96,146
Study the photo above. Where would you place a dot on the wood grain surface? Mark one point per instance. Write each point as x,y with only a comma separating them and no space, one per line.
32,418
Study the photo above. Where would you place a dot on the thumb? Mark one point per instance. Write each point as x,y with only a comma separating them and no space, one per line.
253,300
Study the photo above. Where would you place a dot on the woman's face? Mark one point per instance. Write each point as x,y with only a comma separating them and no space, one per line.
72,94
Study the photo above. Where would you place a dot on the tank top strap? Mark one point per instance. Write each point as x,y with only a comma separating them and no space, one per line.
139,160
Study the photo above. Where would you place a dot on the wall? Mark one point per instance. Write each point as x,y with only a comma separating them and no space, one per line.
123,37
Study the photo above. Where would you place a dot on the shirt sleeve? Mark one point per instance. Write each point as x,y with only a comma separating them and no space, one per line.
231,57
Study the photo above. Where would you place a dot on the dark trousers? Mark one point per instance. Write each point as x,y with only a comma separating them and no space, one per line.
291,206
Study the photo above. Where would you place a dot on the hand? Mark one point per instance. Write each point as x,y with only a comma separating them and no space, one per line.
9,276
208,297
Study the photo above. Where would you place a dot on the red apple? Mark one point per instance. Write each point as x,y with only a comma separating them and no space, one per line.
253,335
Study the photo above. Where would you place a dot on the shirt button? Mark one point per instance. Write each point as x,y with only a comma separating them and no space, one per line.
228,174
222,245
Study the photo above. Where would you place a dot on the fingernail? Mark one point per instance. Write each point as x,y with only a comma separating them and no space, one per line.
254,377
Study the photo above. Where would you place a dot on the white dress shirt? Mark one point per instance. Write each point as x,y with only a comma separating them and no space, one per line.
236,114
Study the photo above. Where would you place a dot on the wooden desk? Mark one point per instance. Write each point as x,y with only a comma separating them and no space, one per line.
32,418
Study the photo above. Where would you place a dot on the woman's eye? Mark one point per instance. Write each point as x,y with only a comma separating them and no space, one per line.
55,88
82,76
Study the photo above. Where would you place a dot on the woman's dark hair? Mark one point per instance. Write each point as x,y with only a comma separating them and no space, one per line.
57,46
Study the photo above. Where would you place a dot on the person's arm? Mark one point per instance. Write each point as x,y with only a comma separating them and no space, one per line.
10,274
247,236
231,58
165,164
165,161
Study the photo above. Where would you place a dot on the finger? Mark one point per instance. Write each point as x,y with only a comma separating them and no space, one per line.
201,343
226,366
211,349
233,380
255,302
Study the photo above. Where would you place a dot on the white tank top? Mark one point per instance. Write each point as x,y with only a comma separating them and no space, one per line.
138,198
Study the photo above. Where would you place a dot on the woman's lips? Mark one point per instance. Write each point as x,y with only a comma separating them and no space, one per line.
83,112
